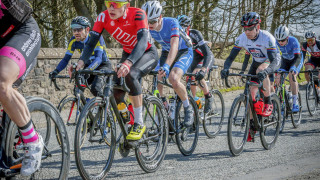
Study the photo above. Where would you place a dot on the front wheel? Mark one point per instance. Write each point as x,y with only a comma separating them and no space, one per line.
311,99
281,94
186,138
152,151
296,117
238,125
212,121
270,126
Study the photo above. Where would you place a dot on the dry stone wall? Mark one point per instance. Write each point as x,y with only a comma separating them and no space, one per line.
38,83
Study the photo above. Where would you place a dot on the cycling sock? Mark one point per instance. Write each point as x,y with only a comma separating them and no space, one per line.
29,135
185,103
208,95
138,115
294,99
267,100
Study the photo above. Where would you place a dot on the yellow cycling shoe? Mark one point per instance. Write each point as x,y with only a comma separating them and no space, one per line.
136,132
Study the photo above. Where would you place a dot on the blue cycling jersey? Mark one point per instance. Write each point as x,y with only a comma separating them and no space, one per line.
170,28
291,48
98,56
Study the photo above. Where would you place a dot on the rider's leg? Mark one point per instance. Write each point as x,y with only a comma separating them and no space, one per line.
179,88
308,66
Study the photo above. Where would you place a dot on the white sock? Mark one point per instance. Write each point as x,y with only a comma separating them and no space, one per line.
138,115
294,99
185,103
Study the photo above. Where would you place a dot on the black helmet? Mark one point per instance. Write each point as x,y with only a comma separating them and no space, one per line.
250,19
80,22
184,20
310,34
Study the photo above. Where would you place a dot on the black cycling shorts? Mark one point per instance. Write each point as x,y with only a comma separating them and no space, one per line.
198,63
23,47
314,62
253,70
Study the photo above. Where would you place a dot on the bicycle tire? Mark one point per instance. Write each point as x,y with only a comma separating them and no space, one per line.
182,136
296,117
50,166
238,122
272,121
283,108
150,161
218,109
89,164
311,99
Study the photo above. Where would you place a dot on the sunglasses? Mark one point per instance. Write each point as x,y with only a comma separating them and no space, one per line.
283,40
115,4
77,30
310,39
250,28
153,21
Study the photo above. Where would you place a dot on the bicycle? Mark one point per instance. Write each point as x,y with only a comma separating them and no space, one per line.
55,161
286,105
150,150
312,96
267,126
185,138
212,121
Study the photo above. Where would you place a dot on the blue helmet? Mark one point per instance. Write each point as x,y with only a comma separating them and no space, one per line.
184,20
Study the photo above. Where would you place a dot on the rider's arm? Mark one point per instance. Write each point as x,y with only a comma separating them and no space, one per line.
274,61
174,42
245,61
297,52
64,62
207,54
140,47
97,57
304,50
233,54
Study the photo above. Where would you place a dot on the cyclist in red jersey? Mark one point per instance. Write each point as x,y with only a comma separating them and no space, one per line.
129,26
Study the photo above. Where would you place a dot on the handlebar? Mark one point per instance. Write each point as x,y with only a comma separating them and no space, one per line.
54,80
194,75
260,85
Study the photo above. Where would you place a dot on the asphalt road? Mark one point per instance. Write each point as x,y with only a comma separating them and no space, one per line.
295,156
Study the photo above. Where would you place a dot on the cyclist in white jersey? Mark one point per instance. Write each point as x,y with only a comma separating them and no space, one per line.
266,56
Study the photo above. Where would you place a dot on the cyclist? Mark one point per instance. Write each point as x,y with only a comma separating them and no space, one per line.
313,47
203,60
176,56
129,26
98,60
20,42
291,60
266,57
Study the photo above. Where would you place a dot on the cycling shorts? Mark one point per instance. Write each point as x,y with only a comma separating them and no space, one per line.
287,64
23,47
198,63
182,61
314,62
253,70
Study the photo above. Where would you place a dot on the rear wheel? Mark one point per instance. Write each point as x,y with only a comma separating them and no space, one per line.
270,126
238,125
186,138
283,106
212,121
311,99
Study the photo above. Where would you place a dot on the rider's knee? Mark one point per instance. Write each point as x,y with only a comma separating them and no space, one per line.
173,80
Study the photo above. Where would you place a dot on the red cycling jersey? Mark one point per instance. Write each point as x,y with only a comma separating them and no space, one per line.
123,29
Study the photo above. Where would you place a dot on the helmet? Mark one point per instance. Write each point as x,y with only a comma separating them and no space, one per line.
250,19
310,34
281,33
153,9
184,20
80,22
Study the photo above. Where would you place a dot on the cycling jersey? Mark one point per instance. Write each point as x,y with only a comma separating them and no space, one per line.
98,56
201,52
170,28
258,48
290,49
314,50
124,29
12,15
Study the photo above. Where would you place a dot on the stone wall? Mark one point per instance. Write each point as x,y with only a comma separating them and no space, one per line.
38,83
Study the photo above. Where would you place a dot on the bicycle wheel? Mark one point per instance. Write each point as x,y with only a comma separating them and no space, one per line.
270,126
55,161
283,108
296,117
238,125
311,99
94,150
68,110
186,138
212,121
151,152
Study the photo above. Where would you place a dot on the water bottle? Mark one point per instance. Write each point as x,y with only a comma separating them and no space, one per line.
172,105
122,107
198,101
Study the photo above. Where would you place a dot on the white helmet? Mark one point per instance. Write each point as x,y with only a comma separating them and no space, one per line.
153,9
281,33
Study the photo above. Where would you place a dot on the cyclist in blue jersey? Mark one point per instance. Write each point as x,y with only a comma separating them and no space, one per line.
291,60
81,34
177,53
